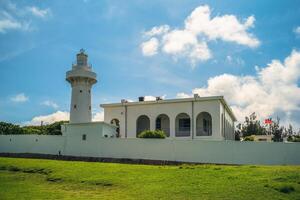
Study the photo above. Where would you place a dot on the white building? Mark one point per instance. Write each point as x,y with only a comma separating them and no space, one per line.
207,118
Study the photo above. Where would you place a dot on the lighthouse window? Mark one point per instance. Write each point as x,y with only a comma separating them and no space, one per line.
90,91
80,91
90,107
75,106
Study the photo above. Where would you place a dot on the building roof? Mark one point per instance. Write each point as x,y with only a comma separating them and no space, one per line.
195,99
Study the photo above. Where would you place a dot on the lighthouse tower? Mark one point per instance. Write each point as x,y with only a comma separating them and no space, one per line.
81,78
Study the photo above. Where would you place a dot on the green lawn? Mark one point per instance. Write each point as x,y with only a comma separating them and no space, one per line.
49,179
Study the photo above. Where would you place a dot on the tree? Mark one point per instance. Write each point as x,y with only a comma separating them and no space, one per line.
10,129
55,128
32,130
237,132
251,126
276,131
290,131
50,129
292,136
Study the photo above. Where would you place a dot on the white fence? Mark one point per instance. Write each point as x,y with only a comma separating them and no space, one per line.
222,152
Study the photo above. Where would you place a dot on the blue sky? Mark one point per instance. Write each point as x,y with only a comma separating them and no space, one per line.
39,41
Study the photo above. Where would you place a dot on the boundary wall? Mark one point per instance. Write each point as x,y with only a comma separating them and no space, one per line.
179,150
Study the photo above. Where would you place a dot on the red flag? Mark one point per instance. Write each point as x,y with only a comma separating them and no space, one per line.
268,121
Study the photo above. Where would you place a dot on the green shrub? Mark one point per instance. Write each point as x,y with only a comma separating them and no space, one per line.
249,138
294,138
152,134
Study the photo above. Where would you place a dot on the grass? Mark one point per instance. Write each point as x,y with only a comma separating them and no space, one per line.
50,179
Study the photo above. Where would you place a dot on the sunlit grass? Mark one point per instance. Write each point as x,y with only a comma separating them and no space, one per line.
50,179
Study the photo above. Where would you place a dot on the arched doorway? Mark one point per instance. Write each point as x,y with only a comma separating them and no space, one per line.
142,124
183,125
204,124
116,122
163,123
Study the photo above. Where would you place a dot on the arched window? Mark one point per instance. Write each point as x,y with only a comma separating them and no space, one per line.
183,125
142,124
163,123
204,124
116,122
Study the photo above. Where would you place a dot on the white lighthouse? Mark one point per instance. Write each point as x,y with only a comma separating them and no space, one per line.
81,78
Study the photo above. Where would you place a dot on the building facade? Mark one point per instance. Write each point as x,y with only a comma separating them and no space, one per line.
195,118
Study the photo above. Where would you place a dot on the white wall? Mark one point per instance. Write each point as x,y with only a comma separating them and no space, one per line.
186,150
116,113
228,124
43,144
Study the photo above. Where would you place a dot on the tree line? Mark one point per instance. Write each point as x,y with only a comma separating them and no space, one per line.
252,126
13,129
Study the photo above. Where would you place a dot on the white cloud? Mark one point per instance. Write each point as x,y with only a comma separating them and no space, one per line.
42,13
200,28
157,30
149,48
59,116
272,91
9,21
48,119
182,43
183,95
19,18
225,27
297,31
98,116
149,98
178,41
234,60
50,104
153,98
19,98
8,24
